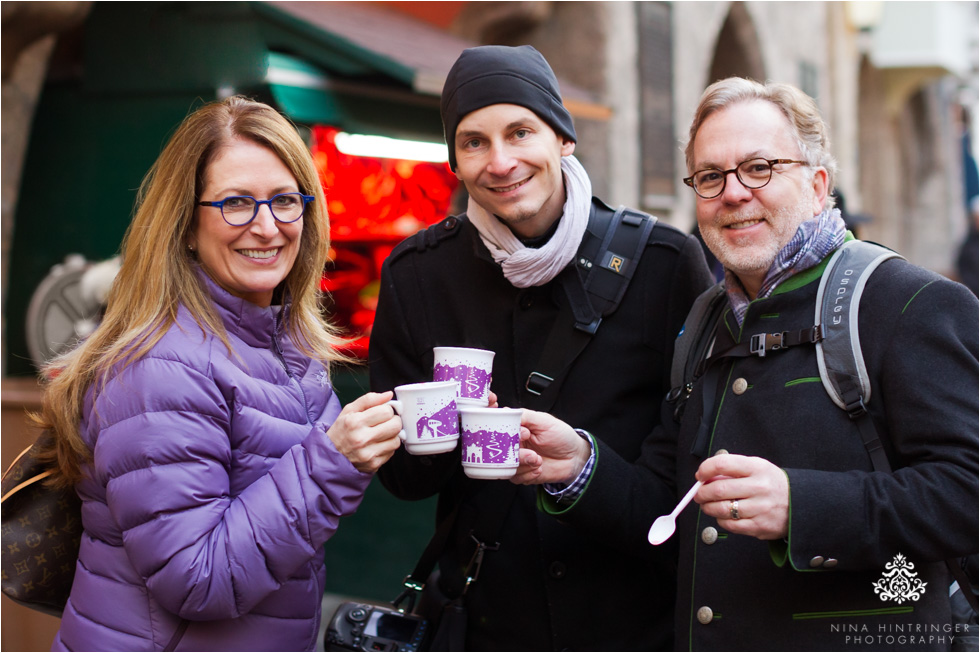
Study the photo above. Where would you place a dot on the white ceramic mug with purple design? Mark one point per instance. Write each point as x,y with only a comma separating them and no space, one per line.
430,418
471,368
491,441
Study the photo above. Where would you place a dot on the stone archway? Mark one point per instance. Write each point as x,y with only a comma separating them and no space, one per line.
737,51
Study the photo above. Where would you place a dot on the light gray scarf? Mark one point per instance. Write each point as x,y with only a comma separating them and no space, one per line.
526,266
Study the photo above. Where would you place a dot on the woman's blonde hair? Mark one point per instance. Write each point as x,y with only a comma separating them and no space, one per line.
158,272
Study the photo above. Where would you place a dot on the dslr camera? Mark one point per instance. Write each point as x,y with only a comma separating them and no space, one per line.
365,627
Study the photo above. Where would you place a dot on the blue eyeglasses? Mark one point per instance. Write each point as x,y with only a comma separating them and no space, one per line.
239,210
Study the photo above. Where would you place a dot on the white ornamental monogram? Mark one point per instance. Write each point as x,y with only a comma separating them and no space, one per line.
899,583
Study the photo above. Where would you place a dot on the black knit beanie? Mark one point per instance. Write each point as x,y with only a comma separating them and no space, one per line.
497,74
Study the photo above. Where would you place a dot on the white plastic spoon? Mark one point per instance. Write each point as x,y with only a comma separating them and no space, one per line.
663,528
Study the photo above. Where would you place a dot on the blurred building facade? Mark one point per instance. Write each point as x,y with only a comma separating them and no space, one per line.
897,82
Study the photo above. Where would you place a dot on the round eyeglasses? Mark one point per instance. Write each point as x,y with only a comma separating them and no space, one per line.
754,174
239,210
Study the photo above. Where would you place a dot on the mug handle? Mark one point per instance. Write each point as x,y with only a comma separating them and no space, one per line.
398,407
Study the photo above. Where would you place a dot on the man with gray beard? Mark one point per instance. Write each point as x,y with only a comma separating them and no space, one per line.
796,531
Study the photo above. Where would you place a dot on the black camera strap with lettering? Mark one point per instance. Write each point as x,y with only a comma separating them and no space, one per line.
594,286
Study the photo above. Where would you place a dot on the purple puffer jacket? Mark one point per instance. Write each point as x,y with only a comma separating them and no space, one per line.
213,489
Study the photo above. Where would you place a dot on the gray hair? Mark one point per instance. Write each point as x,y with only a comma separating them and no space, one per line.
798,107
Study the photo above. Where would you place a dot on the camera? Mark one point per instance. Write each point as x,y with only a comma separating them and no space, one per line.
365,627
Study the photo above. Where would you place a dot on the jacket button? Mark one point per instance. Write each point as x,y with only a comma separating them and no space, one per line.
816,561
709,535
740,386
450,223
705,615
527,300
829,563
557,570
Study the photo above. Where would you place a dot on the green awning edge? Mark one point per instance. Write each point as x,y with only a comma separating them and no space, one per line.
323,47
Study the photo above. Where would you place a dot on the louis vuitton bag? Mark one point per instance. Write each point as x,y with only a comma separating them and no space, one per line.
41,532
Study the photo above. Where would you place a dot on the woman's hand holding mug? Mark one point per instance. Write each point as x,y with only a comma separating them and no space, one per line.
366,431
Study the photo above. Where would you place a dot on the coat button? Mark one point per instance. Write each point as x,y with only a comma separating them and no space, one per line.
557,570
527,300
816,561
705,615
709,535
740,386
829,563
450,223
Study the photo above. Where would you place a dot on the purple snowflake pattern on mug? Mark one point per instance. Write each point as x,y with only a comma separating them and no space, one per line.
490,447
444,423
473,382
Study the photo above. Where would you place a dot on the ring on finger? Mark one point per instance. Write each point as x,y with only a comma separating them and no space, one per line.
733,509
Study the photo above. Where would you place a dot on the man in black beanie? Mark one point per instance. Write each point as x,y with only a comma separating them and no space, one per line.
533,271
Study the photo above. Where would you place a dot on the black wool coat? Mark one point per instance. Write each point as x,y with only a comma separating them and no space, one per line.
815,590
549,586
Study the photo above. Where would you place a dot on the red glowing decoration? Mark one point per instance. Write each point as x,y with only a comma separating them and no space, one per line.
374,204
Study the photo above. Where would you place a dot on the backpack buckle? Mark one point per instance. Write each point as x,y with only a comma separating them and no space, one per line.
817,334
589,327
763,342
856,409
537,383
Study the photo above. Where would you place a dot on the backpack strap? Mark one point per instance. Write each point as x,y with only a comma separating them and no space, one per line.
693,343
839,356
608,263
608,255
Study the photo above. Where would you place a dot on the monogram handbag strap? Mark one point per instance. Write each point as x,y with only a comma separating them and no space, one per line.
12,473
20,486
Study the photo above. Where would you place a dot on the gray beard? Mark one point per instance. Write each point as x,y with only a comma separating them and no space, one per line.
759,257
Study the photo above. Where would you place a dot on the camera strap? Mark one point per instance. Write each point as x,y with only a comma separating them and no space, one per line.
593,287
414,583
486,540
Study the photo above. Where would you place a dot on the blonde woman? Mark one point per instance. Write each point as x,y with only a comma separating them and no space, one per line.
198,423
